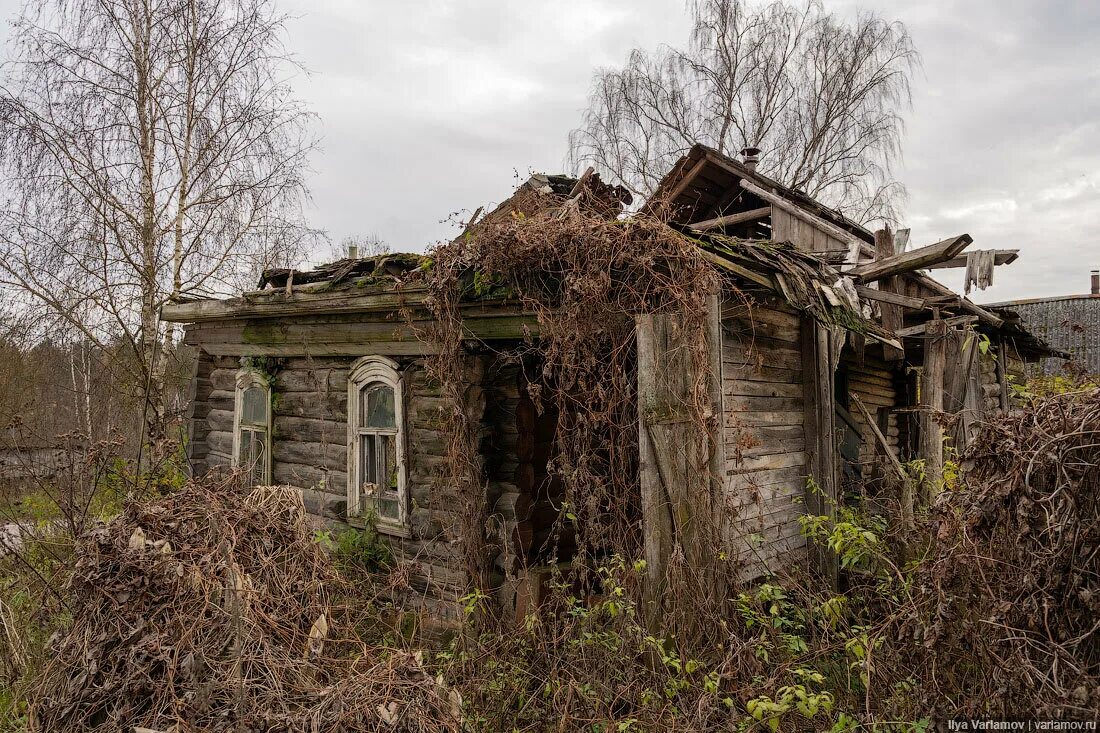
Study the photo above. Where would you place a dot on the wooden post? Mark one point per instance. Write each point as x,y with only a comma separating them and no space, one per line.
892,315
931,432
1002,372
677,457
656,520
820,429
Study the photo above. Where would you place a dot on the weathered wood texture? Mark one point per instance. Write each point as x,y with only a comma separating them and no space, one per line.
893,316
764,432
678,489
309,451
932,400
820,346
803,234
874,381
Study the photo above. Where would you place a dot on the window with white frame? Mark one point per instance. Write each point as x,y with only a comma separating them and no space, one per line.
376,443
252,426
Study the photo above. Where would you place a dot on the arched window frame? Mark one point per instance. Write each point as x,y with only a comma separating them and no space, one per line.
364,372
246,379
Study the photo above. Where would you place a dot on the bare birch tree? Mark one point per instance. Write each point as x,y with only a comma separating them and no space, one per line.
149,150
821,97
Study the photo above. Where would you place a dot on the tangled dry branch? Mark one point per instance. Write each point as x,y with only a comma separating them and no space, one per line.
1010,597
212,610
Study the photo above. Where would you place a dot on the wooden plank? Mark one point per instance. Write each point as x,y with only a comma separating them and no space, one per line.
986,316
656,519
760,373
1002,376
266,303
749,464
383,348
911,260
749,419
888,297
820,439
740,330
899,471
687,180
731,219
1001,257
932,389
726,264
806,217
745,388
892,316
923,328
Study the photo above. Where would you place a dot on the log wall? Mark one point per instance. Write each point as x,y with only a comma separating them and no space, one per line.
875,382
764,433
309,451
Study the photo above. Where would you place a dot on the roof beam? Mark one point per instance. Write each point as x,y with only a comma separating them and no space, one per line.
947,322
912,260
1002,257
686,180
974,309
893,298
731,219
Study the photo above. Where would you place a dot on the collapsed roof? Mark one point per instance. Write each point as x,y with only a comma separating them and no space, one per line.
754,230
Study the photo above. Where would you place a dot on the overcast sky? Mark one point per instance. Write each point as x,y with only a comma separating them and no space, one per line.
430,107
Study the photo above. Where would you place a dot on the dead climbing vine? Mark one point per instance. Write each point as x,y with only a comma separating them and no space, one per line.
584,277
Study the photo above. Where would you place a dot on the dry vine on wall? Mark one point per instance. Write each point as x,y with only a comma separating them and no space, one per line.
585,277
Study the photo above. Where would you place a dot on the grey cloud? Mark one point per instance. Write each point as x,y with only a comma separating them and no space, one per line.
430,107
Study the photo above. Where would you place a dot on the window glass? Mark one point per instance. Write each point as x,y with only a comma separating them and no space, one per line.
251,456
254,406
376,407
378,473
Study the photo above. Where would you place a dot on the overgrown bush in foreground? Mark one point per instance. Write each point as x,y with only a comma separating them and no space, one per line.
215,609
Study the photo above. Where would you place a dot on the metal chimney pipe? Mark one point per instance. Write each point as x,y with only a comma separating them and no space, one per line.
750,157
1096,282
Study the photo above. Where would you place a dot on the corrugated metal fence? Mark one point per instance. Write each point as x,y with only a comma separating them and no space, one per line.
1070,324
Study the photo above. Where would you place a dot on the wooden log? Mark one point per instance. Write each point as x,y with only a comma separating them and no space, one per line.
912,260
319,380
332,456
311,429
308,477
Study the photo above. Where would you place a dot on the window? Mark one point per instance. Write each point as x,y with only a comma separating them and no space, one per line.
252,426
376,445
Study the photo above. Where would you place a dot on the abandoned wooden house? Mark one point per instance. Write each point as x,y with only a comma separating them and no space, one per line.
317,380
